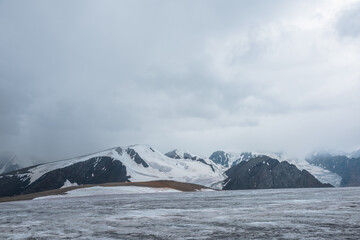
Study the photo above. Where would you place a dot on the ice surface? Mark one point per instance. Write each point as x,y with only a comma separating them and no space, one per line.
328,213
98,190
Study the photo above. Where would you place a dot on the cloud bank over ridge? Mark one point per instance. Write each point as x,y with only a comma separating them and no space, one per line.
87,75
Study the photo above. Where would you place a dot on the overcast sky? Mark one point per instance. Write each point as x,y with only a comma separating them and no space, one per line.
82,76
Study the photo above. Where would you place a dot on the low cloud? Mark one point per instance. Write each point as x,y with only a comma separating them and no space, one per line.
85,76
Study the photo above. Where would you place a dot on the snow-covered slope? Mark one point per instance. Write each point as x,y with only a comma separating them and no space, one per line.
186,156
163,167
134,163
323,175
229,159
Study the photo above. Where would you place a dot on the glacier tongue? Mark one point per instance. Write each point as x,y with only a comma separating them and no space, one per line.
323,175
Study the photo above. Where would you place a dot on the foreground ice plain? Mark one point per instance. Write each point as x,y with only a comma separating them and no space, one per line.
98,190
251,214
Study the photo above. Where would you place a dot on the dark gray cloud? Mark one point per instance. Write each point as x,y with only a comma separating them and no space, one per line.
82,76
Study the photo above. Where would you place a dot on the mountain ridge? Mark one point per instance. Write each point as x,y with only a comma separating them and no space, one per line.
141,163
132,163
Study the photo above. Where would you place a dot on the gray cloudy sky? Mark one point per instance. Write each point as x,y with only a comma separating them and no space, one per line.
82,76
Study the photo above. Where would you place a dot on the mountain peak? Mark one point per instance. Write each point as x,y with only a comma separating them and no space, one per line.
229,159
180,154
265,172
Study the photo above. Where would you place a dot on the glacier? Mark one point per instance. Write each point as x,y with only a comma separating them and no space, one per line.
332,213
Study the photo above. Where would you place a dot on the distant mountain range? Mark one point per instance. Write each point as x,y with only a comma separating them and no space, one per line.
345,165
139,163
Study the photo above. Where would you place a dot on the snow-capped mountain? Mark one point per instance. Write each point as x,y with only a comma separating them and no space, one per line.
179,154
264,172
10,161
230,159
121,164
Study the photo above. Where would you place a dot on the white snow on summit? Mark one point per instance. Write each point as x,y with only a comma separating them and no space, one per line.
183,169
160,167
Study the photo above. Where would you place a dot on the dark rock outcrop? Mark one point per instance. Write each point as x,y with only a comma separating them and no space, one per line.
220,157
136,157
11,185
347,168
264,172
173,154
93,171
